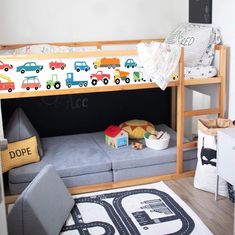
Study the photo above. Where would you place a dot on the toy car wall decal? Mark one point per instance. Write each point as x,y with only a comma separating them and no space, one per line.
81,66
53,82
5,67
138,76
70,81
57,65
31,82
8,85
99,76
174,76
121,75
28,67
107,62
130,63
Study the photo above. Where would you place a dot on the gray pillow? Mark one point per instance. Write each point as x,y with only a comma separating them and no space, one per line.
19,127
43,207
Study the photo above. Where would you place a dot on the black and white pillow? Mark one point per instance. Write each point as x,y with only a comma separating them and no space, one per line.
198,42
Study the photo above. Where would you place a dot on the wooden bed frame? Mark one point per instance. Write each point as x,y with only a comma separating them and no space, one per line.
178,95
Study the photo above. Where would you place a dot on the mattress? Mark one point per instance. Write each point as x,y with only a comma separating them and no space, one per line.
128,163
85,159
72,155
200,72
127,157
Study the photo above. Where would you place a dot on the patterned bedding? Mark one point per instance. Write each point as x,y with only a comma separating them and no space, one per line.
197,72
200,72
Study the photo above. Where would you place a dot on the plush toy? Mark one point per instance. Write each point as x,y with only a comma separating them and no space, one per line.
136,128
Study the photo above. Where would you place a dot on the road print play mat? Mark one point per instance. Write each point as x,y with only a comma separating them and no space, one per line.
148,209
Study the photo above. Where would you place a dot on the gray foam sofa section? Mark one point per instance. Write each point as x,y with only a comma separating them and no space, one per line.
85,159
43,207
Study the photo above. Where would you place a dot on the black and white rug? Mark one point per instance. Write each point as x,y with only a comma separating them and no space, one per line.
142,210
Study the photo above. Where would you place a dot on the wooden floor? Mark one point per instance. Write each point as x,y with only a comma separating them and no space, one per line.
217,215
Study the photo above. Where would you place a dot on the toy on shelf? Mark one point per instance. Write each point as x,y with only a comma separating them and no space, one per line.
116,137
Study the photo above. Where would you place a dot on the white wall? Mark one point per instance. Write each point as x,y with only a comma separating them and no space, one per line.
224,18
30,21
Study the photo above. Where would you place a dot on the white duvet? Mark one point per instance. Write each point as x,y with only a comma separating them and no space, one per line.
159,61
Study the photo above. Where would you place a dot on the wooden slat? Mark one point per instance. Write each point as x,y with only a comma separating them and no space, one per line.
219,47
200,112
69,55
83,90
83,44
190,144
180,116
203,81
113,185
132,182
90,44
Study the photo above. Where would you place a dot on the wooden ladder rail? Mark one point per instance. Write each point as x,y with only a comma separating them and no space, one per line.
222,85
181,114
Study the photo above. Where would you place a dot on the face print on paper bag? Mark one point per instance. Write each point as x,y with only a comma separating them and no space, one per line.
208,156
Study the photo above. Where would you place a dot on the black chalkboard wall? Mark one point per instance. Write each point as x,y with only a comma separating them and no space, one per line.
72,114
200,11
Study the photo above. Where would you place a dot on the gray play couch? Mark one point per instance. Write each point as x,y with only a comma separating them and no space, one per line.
85,159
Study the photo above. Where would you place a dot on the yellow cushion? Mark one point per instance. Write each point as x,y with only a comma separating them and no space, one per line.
136,128
20,153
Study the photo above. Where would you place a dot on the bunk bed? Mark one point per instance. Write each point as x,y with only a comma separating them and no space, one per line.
178,94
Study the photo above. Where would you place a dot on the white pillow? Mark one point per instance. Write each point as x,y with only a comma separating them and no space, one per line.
197,41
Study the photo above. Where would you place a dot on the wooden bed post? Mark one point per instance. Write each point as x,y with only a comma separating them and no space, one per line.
180,116
222,85
173,108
